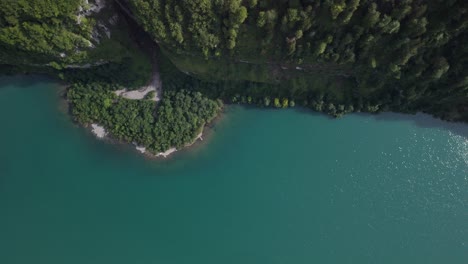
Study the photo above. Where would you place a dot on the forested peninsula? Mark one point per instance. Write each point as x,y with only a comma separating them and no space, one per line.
332,56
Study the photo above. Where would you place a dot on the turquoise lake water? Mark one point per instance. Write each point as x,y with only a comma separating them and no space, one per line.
267,186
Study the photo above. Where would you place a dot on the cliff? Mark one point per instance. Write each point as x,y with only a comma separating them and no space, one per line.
70,37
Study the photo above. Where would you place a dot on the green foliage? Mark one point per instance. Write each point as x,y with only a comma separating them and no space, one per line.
298,34
43,27
179,117
403,54
373,63
252,3
399,55
321,48
372,17
150,95
440,67
36,31
337,8
130,73
262,19
277,103
67,39
240,16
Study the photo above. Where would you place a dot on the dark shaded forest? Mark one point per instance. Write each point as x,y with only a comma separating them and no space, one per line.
391,55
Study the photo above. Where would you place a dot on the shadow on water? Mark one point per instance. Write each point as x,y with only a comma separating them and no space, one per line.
420,119
25,81
308,111
297,109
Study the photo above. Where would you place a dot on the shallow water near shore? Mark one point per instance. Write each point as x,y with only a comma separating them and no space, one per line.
268,186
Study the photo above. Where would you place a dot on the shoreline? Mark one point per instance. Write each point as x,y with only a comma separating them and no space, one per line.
99,132
199,140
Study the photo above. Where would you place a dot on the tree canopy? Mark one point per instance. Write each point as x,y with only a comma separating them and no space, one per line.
404,54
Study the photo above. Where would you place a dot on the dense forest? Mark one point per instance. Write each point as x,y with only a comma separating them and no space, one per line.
400,55
179,118
95,49
70,39
333,56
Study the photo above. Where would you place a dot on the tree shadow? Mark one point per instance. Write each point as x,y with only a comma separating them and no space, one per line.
25,80
308,111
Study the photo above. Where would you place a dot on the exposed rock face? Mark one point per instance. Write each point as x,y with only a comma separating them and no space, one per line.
101,29
74,40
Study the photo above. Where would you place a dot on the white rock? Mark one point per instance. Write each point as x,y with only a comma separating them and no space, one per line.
98,130
139,94
166,153
141,149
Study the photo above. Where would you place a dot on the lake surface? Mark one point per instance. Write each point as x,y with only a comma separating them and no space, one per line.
267,186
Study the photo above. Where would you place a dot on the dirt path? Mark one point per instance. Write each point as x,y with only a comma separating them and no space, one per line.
155,85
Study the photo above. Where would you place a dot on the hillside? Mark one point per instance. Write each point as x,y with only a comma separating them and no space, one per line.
388,54
333,56
77,38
